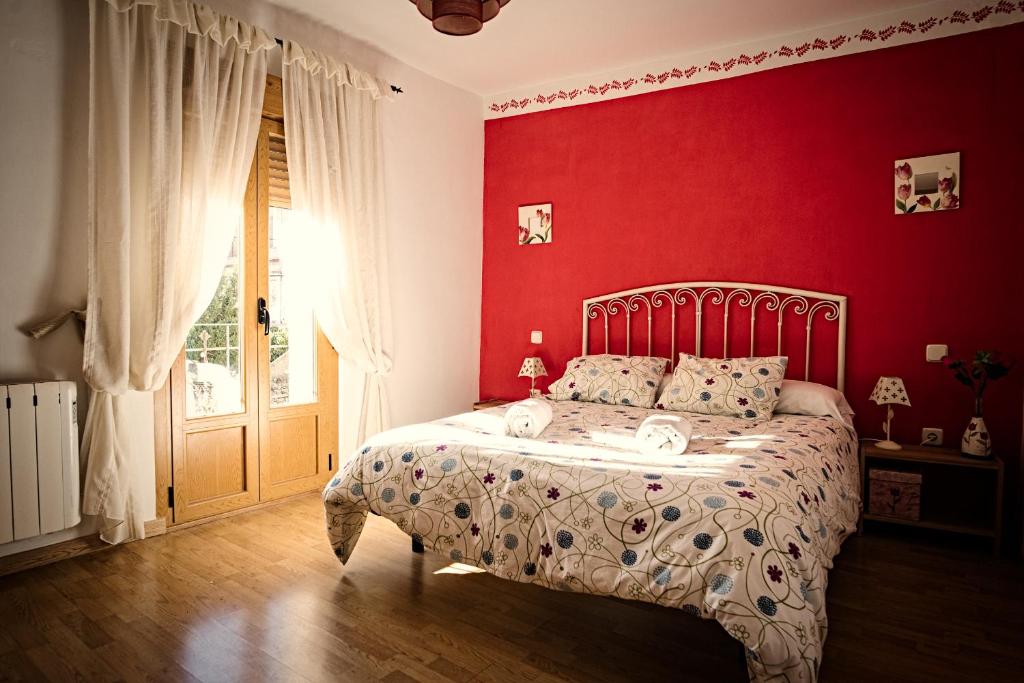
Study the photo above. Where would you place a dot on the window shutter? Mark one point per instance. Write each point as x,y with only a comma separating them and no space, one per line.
280,196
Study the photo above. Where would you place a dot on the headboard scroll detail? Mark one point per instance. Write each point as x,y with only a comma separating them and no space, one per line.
731,298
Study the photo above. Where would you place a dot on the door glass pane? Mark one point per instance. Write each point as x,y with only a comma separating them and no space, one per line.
213,348
293,330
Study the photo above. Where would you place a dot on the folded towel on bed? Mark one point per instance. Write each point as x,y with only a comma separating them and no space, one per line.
527,419
661,433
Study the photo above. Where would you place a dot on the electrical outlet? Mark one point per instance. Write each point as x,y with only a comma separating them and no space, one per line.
931,436
934,353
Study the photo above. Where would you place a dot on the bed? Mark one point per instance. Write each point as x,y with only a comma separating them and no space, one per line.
742,528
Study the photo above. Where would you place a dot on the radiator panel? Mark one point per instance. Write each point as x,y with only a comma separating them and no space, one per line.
24,468
69,453
48,459
39,474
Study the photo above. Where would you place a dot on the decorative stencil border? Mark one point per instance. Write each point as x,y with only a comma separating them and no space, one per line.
935,20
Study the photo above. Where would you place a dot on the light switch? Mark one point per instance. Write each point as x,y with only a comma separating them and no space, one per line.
934,353
536,337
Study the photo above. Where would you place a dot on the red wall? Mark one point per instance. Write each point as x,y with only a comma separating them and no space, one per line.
782,177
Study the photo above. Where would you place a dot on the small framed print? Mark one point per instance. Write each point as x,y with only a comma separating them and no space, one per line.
928,183
535,224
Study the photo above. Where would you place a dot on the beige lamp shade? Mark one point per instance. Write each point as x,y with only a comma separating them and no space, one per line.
890,391
533,367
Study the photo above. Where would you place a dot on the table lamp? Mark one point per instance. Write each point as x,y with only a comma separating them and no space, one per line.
889,392
533,368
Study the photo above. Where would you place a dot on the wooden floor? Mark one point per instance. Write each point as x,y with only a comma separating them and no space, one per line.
260,597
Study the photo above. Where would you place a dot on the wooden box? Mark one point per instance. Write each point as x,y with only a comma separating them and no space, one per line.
895,494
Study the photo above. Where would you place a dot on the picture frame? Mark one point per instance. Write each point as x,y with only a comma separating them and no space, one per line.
930,183
535,224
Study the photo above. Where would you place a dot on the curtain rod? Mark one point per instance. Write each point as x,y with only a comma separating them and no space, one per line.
394,88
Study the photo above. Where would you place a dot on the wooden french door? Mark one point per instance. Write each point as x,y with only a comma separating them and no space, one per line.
298,378
254,393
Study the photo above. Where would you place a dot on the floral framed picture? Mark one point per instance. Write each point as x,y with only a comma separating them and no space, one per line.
535,224
928,183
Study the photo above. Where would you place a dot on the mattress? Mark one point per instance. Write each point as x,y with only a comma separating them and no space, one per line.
742,528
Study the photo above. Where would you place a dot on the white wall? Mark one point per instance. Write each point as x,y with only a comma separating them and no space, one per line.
44,71
433,145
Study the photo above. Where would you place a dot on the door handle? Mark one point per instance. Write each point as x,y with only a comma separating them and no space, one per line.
263,315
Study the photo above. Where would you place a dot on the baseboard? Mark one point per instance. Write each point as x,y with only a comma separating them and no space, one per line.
74,547
156,527
180,526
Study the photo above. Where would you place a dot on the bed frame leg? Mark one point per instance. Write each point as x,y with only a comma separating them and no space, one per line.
417,546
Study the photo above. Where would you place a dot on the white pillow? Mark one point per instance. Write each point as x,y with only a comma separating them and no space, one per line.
809,398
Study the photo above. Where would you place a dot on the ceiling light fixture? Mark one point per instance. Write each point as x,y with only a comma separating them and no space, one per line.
459,17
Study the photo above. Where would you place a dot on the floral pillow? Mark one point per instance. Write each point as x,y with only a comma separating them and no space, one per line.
619,380
740,387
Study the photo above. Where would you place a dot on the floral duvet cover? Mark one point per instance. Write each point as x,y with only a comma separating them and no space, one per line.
742,528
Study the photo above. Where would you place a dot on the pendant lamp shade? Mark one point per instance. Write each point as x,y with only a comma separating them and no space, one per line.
459,17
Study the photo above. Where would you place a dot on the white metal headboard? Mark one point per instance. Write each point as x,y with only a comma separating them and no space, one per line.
800,302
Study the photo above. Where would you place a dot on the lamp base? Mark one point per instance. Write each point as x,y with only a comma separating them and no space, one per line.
889,445
534,393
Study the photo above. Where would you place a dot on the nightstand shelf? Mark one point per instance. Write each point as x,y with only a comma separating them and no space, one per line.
930,524
932,455
958,494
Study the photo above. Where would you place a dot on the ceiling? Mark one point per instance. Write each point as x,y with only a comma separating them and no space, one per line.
536,41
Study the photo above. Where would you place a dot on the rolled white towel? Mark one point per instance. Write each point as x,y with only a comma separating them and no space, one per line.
660,433
527,419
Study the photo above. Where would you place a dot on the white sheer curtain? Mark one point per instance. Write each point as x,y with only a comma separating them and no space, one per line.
176,93
332,130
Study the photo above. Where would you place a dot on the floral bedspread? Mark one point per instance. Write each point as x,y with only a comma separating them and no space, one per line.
742,528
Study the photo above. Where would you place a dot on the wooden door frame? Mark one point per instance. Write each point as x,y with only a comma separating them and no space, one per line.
327,374
162,449
273,108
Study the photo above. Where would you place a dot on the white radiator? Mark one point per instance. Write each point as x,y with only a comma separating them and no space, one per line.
39,477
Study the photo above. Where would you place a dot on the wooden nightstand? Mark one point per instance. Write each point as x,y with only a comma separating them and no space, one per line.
491,403
958,494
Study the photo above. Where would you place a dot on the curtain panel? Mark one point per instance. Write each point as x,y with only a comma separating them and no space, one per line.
332,122
176,96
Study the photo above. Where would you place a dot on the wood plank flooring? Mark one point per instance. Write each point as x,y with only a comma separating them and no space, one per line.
260,597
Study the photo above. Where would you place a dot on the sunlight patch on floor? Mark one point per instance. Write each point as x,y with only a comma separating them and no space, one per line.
459,568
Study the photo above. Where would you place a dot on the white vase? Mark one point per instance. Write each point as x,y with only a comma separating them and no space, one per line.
976,441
